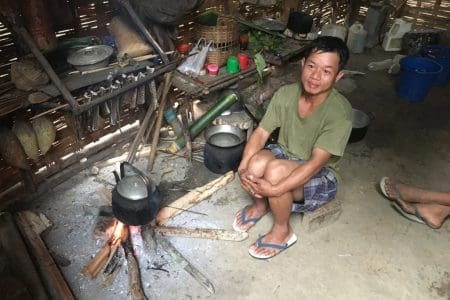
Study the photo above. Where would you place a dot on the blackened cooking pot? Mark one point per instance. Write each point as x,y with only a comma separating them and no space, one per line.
360,125
224,147
135,199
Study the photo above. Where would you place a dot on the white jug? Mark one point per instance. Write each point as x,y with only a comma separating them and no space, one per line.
356,38
335,30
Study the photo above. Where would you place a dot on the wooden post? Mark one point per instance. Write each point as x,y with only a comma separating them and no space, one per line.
288,7
167,85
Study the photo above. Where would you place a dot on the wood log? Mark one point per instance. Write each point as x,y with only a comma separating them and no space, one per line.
187,266
98,262
193,197
203,233
51,275
134,277
13,247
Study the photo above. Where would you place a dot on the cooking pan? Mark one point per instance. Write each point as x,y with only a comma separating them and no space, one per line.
224,147
360,125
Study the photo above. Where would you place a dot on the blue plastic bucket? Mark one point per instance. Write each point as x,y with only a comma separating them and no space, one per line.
417,75
441,55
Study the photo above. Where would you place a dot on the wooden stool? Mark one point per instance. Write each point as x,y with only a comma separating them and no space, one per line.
239,119
322,216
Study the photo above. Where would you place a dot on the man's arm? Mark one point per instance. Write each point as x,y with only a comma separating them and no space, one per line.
299,176
255,143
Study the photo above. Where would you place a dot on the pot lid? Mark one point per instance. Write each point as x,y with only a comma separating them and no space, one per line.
90,55
132,187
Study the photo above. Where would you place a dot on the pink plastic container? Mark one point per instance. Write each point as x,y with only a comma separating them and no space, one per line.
213,69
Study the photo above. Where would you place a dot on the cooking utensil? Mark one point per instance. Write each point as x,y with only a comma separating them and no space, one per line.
135,199
90,58
223,148
360,125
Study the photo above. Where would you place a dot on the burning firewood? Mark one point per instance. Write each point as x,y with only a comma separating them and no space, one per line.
106,253
134,278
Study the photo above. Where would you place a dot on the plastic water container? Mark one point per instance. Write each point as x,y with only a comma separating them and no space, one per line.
393,39
335,30
356,39
417,76
441,55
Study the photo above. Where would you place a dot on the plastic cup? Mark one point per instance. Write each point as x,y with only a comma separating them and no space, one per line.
213,69
232,64
243,61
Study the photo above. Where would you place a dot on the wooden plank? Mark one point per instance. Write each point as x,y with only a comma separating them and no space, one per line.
51,275
13,247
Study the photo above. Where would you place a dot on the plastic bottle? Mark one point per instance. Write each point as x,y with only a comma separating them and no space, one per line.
335,30
356,39
171,117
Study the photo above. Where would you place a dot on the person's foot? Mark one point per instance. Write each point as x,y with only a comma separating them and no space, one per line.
433,214
271,244
247,217
396,191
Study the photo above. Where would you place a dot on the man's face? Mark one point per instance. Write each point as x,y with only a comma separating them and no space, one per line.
319,72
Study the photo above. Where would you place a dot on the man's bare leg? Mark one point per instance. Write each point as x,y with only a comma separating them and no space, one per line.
259,206
281,208
416,195
433,207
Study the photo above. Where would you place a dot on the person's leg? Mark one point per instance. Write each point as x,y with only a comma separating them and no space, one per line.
413,194
280,206
433,207
259,206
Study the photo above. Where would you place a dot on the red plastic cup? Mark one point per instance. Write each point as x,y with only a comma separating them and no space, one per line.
243,61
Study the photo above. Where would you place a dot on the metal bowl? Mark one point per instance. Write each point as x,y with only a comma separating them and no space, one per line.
225,136
90,58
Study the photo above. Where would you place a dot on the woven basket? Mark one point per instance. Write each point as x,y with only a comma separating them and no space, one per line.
219,55
224,37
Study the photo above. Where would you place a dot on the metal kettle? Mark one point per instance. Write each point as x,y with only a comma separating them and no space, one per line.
135,198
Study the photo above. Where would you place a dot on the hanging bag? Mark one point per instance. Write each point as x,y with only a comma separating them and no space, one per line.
196,59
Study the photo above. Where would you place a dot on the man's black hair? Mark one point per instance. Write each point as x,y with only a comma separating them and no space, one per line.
328,44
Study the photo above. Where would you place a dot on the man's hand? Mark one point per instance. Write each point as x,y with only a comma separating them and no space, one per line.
243,176
260,187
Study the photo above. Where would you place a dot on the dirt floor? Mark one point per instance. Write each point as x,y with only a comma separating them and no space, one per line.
370,252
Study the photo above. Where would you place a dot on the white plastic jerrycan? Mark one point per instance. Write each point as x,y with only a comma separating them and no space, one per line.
356,38
393,39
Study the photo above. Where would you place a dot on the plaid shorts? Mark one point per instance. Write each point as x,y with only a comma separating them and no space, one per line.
318,191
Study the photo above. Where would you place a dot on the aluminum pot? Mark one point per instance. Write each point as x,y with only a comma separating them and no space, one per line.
360,125
224,147
91,58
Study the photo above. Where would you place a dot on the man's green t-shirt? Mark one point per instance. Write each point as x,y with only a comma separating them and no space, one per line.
327,128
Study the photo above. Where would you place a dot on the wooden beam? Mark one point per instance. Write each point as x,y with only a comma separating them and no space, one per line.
13,247
51,275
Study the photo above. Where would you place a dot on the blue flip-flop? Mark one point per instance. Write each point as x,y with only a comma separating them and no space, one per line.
280,247
244,220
